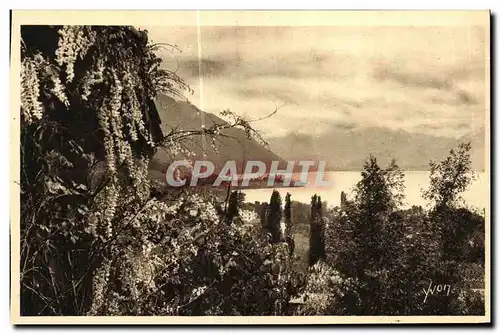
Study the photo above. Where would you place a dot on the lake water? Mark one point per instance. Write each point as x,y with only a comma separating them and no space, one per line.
477,195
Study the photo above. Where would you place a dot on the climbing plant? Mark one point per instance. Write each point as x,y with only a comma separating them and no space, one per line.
94,239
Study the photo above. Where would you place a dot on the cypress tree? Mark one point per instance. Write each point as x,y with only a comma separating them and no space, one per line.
263,213
232,208
288,215
314,200
316,239
288,223
321,229
274,217
319,208
312,232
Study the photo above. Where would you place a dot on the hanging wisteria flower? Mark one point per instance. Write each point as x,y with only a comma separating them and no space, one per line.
31,107
73,43
59,91
94,77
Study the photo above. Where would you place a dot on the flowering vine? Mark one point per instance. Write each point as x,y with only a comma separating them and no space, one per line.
87,136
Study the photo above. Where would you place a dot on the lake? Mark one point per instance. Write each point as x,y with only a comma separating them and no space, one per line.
477,195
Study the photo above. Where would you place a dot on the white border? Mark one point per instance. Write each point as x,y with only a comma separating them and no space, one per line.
185,4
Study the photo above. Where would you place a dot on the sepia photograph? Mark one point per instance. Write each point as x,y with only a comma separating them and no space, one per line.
250,167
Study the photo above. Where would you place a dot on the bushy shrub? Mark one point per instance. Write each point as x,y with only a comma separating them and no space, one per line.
326,292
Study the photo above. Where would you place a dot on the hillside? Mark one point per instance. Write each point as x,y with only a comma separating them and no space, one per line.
233,145
343,149
347,149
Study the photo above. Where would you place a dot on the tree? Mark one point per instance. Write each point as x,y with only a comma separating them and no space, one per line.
343,200
241,198
316,240
88,129
450,177
263,213
94,241
274,216
288,223
366,238
233,206
288,215
378,195
314,201
394,254
455,225
379,190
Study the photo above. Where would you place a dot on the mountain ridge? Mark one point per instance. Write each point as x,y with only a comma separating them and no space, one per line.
233,145
344,149
347,149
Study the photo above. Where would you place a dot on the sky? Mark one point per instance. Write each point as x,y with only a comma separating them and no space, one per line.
418,78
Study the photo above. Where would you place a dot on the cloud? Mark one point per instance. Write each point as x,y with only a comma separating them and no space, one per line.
210,67
466,97
417,79
284,96
345,126
298,66
457,98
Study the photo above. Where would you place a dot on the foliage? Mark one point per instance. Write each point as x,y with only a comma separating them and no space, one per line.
232,208
396,255
288,223
263,212
274,216
288,215
459,228
194,264
450,177
87,131
316,241
96,237
326,292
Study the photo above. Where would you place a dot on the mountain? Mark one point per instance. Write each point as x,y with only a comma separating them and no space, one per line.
343,148
347,149
478,144
232,145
